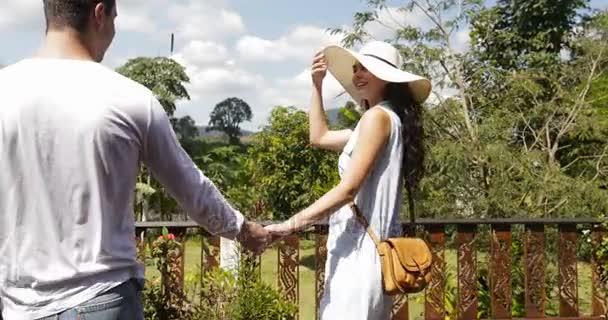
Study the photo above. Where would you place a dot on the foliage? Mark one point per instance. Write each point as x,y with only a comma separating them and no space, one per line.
517,286
163,76
348,115
187,133
167,301
286,170
523,33
228,115
230,170
223,294
243,296
257,300
221,165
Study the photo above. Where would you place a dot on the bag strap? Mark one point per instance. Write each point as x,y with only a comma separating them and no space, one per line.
365,224
411,206
371,232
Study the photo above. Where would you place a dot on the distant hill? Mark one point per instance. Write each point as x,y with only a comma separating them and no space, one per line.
215,134
332,115
332,118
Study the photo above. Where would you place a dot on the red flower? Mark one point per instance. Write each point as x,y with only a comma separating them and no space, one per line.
171,236
160,238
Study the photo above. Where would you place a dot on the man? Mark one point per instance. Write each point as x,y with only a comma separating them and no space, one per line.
72,135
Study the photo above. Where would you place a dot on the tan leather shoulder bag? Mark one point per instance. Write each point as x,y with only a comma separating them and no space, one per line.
406,261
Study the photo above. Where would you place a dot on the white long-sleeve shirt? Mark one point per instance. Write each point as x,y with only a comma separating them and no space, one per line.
72,136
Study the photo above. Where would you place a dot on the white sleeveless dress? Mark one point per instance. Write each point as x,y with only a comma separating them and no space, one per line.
353,283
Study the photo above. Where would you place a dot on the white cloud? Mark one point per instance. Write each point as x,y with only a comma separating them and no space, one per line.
296,91
211,84
391,19
254,48
136,16
202,53
461,40
299,43
208,20
224,81
22,14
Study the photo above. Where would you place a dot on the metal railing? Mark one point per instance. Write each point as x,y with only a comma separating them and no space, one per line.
466,238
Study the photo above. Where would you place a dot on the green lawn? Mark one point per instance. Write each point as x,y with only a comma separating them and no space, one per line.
307,277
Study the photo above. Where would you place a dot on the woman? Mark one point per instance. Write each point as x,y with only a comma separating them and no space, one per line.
384,151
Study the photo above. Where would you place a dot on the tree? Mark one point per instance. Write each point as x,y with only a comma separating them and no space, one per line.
521,33
164,76
187,133
287,172
521,136
228,115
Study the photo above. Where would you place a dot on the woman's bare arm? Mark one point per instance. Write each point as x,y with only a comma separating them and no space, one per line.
373,136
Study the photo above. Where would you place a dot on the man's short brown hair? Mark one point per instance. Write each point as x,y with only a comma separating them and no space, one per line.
72,13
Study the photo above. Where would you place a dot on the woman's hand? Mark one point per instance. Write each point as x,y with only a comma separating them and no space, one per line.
278,231
319,69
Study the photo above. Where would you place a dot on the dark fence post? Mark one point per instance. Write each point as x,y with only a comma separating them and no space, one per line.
320,259
534,261
598,303
500,271
467,272
434,304
568,278
289,261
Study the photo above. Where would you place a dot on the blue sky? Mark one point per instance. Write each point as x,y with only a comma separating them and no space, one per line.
258,50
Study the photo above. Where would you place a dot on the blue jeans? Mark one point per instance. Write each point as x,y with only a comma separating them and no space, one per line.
120,303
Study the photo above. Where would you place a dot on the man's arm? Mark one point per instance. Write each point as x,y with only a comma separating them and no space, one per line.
175,170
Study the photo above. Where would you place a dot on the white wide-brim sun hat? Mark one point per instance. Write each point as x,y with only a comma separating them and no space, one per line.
381,59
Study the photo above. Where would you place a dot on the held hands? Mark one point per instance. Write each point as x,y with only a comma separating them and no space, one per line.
319,69
278,231
254,237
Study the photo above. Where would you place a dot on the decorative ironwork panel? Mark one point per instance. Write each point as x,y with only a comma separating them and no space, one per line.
467,272
598,303
289,260
320,259
534,268
568,292
500,271
434,305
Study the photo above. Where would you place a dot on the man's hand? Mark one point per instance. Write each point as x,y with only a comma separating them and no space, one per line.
254,237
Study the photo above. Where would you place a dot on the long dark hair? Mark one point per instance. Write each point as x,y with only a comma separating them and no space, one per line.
410,113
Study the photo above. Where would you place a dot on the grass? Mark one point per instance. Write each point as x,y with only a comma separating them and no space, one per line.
307,277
